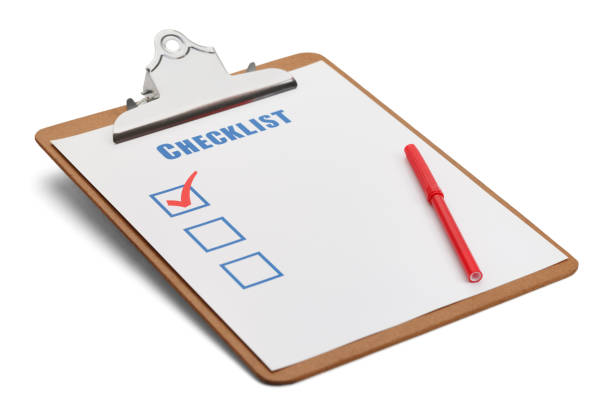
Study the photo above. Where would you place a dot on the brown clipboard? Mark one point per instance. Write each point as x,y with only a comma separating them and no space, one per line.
341,354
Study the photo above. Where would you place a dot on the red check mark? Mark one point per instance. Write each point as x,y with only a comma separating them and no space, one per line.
185,193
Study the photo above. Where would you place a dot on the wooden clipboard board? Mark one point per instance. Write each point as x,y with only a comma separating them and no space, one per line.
341,354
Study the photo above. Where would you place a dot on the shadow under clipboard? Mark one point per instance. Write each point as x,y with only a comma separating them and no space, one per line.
87,214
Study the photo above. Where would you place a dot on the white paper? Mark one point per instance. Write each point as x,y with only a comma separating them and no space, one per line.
325,210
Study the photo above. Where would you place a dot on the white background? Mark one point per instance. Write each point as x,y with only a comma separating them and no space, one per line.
520,93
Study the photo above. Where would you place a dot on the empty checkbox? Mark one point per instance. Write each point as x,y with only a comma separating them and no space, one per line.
214,234
251,270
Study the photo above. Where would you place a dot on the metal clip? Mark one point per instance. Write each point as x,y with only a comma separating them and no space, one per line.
186,81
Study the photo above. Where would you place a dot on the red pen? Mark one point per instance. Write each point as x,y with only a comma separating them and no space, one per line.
436,198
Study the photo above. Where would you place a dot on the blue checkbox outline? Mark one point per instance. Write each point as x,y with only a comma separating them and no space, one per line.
229,225
278,273
165,209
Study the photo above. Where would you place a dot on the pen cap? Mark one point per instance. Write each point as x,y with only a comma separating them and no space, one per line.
422,172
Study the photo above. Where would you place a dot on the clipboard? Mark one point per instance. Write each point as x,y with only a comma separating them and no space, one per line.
341,354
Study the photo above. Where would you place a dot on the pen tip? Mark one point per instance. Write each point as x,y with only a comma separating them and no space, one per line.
475,276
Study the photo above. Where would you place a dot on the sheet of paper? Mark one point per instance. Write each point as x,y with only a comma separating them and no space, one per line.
305,228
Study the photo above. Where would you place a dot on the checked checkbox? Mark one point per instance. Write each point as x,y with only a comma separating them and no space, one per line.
180,199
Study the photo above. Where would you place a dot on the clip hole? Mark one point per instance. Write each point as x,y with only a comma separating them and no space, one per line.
172,44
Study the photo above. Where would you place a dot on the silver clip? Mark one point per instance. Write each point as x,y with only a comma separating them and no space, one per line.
186,81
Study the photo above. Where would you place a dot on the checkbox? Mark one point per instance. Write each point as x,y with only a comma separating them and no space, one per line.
251,270
214,234
161,198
